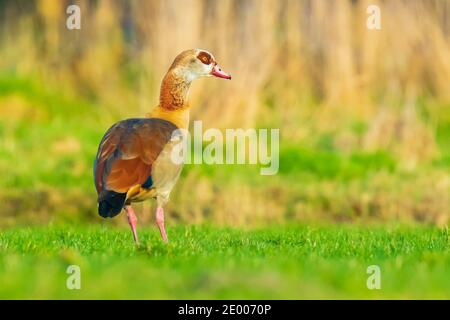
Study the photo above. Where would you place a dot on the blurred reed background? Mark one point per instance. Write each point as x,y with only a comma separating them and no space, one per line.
364,114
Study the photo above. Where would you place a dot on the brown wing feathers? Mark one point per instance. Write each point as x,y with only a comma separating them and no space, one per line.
125,159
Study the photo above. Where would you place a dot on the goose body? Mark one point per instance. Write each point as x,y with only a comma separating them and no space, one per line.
134,161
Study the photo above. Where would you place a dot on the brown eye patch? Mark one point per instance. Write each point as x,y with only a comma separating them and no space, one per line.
204,57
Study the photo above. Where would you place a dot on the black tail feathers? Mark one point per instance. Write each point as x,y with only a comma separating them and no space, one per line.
110,203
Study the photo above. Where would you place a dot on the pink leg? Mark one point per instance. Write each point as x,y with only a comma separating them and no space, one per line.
132,220
160,223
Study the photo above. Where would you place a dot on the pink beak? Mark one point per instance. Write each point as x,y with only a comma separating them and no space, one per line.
217,72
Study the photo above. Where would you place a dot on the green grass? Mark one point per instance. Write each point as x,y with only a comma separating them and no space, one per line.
210,262
49,138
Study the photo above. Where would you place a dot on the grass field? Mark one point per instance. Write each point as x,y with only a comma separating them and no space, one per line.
209,262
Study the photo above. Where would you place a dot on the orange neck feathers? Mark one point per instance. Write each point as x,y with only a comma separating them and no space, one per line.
174,91
173,104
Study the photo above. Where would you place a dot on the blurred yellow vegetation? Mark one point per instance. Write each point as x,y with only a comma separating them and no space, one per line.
292,49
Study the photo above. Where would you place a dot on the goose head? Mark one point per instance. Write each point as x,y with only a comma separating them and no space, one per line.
197,63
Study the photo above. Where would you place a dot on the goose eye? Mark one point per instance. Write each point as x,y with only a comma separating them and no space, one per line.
204,57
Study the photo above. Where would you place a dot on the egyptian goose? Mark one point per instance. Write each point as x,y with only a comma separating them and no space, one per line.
133,161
